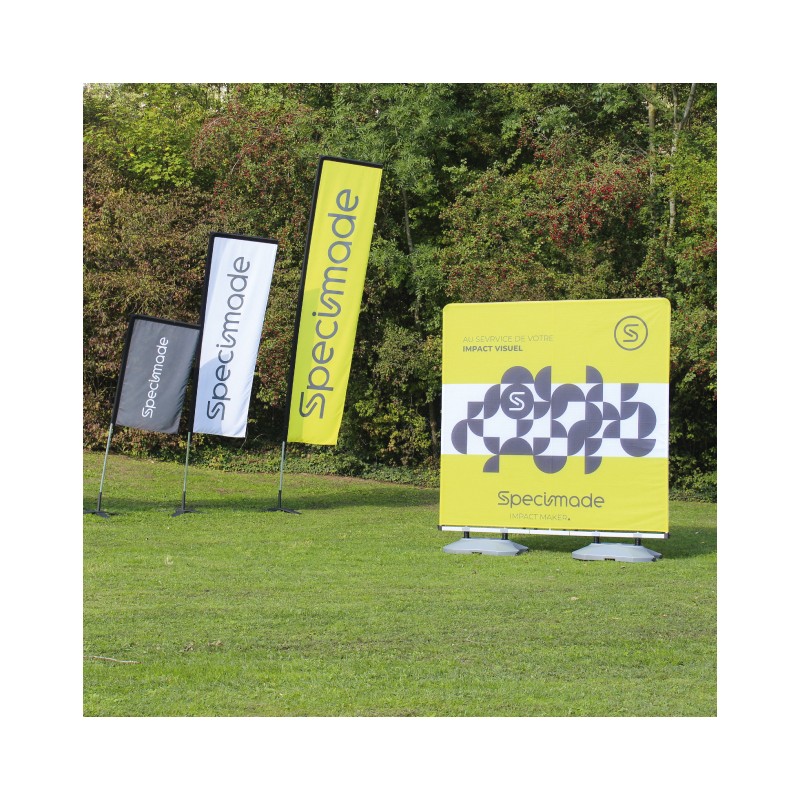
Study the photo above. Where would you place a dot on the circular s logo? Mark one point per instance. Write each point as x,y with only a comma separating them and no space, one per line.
630,333
516,401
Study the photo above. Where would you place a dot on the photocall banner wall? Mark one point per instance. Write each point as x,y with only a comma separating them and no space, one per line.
337,250
555,415
238,279
156,368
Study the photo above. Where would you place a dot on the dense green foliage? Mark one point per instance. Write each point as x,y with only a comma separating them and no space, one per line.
490,192
353,610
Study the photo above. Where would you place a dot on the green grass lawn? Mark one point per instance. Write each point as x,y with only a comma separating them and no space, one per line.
352,609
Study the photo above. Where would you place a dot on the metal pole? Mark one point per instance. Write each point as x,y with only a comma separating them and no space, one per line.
280,485
183,509
98,510
295,338
186,466
280,479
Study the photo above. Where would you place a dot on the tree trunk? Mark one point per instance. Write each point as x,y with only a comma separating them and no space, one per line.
407,223
652,150
678,126
434,425
651,124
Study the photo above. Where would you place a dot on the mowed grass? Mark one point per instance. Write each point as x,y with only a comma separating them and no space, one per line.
352,609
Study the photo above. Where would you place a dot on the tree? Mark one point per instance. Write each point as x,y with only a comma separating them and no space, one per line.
489,192
612,193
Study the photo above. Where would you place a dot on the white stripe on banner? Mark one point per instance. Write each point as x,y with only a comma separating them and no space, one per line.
642,414
239,278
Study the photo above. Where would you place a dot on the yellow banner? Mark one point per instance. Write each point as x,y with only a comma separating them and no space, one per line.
337,251
555,415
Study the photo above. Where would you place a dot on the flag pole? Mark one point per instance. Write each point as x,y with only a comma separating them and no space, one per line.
196,377
125,346
298,312
280,507
98,511
183,509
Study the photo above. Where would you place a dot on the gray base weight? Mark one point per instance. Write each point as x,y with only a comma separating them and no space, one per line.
486,547
180,511
615,551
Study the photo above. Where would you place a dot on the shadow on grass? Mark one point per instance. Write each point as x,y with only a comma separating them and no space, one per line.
693,531
684,542
378,496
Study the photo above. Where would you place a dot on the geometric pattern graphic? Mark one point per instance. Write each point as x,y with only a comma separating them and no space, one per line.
531,416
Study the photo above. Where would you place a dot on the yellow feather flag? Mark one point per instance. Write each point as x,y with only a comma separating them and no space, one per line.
337,251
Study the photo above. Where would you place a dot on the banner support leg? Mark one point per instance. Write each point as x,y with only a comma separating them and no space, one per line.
98,511
280,507
183,509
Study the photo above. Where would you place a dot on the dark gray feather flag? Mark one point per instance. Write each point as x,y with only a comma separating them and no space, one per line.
155,373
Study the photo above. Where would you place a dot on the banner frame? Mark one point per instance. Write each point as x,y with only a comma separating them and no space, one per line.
622,533
466,529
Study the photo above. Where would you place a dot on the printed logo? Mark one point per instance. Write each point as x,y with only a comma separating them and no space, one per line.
322,351
154,381
523,415
630,333
230,326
